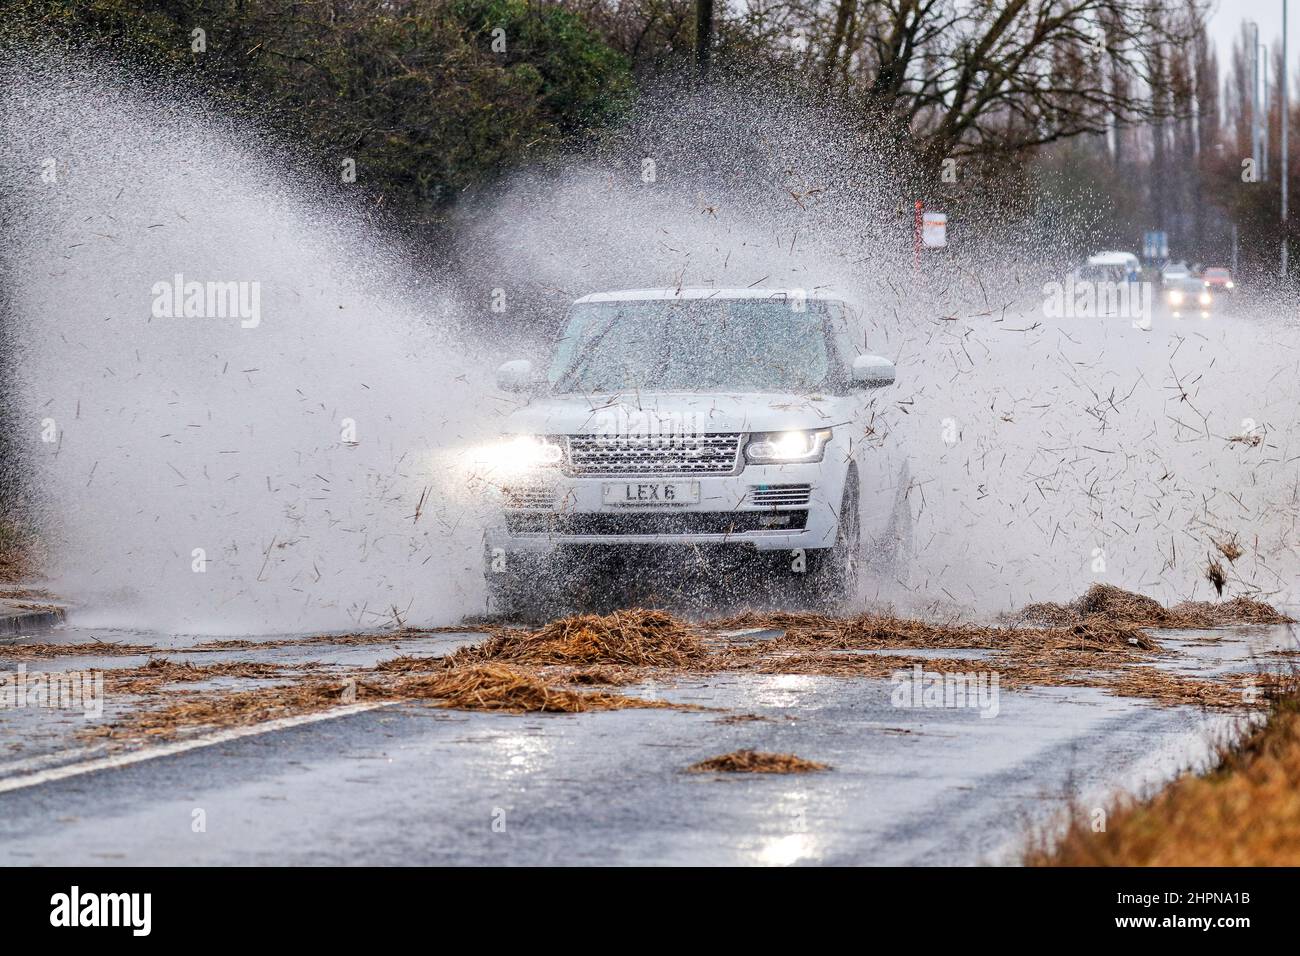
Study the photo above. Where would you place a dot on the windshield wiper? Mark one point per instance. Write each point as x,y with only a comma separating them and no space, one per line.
581,362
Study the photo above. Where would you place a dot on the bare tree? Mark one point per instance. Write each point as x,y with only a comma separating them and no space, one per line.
961,77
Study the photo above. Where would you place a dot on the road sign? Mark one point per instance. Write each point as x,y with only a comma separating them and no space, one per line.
1155,245
934,230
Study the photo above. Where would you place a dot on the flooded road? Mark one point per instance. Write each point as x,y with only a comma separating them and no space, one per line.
413,784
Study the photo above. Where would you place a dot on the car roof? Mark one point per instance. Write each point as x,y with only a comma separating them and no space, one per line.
659,295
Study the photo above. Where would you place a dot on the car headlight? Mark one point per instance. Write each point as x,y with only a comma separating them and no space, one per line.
1205,298
1175,297
1229,284
516,454
794,446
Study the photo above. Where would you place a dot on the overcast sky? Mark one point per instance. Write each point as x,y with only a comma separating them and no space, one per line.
1225,24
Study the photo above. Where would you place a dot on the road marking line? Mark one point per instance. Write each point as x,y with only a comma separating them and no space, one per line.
181,746
57,758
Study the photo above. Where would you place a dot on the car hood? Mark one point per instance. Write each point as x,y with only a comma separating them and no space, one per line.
675,413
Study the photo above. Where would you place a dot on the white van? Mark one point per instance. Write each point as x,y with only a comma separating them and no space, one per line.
1127,261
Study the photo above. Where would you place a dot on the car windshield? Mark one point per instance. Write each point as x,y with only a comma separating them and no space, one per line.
759,345
1097,273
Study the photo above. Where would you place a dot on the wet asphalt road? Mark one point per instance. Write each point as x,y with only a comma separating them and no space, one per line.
410,784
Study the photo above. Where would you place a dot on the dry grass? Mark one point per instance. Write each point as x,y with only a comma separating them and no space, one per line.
224,709
1105,604
637,638
1240,610
1244,813
341,640
753,761
410,664
18,592
1098,641
25,650
18,552
1228,548
474,687
498,687
160,671
1215,574
606,674
43,608
1120,642
97,649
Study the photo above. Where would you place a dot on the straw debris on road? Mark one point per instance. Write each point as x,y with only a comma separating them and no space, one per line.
637,638
753,761
1100,640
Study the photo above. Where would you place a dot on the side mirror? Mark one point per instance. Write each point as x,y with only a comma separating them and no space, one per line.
516,376
872,371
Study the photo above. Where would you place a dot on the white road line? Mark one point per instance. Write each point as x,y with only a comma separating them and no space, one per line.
12,768
181,746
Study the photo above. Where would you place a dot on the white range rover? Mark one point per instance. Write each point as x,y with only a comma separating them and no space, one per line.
739,421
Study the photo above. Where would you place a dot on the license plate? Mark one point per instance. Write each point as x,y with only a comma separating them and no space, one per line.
649,494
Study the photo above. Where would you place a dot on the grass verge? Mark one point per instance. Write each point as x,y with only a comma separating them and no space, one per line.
17,547
1246,812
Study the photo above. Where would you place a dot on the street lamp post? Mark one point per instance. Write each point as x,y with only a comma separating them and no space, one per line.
1262,54
1285,80
1254,97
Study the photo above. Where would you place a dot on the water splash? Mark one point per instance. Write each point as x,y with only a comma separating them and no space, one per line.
1044,454
209,472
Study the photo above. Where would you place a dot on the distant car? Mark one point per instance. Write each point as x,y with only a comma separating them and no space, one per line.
1175,273
1125,265
1218,278
1187,295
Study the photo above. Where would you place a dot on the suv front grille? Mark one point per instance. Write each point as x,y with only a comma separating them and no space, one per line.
643,523
712,454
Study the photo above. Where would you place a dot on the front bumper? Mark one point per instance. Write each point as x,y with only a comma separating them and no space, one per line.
764,507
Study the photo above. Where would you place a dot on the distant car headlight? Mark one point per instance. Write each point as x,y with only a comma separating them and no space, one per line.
1206,298
1229,284
517,454
1175,297
793,446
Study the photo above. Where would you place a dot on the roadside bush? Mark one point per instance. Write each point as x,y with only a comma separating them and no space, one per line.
427,97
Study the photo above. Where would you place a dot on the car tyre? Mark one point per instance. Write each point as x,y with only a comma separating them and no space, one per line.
831,579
